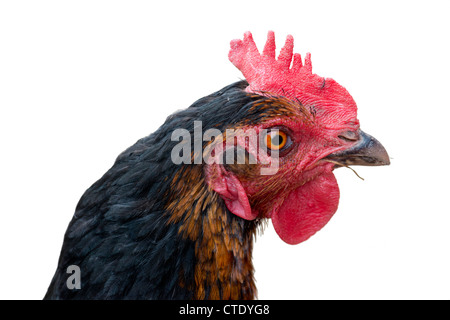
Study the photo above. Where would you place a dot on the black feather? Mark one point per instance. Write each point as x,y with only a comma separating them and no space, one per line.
120,236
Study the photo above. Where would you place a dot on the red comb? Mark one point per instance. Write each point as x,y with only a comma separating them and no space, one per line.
287,75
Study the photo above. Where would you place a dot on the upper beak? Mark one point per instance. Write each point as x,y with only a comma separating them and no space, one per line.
367,151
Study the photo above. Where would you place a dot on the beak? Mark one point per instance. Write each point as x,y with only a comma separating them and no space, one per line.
367,151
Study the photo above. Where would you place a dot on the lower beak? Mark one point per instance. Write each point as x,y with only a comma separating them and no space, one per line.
367,151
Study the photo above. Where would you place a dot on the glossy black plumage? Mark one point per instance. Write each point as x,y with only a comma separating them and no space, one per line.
120,236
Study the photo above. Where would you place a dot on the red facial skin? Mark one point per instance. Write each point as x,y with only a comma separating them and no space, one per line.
306,194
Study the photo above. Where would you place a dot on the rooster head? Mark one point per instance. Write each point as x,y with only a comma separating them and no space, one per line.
308,126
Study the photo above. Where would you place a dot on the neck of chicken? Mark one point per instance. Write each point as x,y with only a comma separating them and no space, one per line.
223,242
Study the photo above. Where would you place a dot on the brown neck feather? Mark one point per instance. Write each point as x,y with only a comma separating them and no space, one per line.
223,242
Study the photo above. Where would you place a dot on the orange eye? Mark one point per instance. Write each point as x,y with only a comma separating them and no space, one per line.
276,140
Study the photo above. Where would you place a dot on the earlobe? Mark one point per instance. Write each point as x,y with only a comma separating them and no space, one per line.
228,186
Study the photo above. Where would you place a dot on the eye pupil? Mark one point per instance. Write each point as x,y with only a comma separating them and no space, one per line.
276,140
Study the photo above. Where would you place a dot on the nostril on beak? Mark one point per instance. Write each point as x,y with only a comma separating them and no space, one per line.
349,136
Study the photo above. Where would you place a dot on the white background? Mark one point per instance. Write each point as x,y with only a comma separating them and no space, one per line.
80,81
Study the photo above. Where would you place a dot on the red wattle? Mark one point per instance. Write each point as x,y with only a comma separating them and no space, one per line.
307,209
